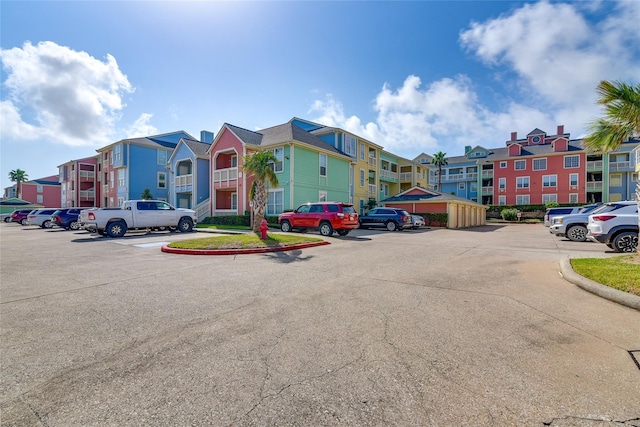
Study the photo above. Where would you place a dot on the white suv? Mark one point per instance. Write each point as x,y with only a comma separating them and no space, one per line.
41,217
617,228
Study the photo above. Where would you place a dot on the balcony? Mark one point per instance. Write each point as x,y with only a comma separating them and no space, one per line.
372,189
87,194
406,176
594,186
472,175
487,191
224,177
388,175
105,189
87,175
453,178
594,165
487,173
184,183
373,161
619,166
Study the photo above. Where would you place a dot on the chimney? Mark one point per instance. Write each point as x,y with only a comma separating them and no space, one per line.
467,148
206,136
560,130
514,136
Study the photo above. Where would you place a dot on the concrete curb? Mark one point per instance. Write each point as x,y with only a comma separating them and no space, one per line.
167,249
623,298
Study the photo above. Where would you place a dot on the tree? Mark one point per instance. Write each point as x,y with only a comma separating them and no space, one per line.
18,176
440,160
621,120
260,165
146,194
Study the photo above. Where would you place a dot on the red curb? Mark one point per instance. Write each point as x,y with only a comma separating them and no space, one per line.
167,249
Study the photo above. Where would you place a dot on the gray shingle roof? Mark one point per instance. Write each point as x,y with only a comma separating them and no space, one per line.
198,148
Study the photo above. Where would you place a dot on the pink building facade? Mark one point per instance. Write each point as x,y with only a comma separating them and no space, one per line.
79,181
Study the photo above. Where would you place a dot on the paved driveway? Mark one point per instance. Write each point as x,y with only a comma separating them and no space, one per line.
427,327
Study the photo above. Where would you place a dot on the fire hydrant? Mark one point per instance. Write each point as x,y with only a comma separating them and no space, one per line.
263,229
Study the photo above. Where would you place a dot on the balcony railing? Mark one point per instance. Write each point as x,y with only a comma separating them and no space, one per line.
487,173
223,176
87,175
406,176
388,174
373,161
453,177
619,166
372,189
594,186
184,182
487,190
472,175
594,165
87,194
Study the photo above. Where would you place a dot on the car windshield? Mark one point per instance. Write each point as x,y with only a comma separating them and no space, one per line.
591,208
348,209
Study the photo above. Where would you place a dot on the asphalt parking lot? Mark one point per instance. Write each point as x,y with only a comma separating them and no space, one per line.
421,327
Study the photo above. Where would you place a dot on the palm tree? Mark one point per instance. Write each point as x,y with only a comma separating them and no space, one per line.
621,120
440,160
260,165
18,176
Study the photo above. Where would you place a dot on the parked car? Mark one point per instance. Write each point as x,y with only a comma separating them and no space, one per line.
554,212
617,228
6,217
327,217
417,221
20,215
390,218
574,226
41,217
66,218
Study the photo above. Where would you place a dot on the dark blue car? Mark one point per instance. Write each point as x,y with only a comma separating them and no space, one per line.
66,218
390,218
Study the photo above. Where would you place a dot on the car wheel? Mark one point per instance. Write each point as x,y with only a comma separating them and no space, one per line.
116,229
285,226
7,219
326,229
73,225
625,242
343,232
577,233
391,226
23,221
46,224
185,225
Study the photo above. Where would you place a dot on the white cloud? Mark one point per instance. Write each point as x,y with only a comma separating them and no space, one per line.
550,59
61,95
141,127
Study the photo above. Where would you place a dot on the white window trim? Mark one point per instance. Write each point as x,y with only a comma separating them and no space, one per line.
502,200
503,165
564,161
518,187
363,180
533,163
573,198
548,176
326,166
322,196
502,183
159,180
517,162
522,198
577,180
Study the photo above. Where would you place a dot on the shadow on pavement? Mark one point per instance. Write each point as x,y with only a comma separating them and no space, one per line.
287,257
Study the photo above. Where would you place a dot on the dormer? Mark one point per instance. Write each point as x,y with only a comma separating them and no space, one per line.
515,149
476,152
536,137
560,144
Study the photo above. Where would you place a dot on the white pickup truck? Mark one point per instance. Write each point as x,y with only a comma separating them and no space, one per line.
137,214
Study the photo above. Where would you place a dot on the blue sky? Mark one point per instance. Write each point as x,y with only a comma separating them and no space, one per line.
415,76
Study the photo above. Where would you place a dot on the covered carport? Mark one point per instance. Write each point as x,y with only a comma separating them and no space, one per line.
461,212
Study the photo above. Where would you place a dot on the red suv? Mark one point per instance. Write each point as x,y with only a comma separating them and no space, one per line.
325,216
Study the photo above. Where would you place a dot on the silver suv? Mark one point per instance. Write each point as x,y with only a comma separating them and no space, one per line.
554,212
617,228
574,226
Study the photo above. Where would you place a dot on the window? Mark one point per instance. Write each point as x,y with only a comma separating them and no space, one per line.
549,198
520,165
522,182
540,164
571,162
350,146
120,177
117,154
522,199
461,186
503,165
162,180
362,151
615,180
573,197
323,165
361,177
322,196
275,202
111,180
278,153
39,198
120,201
39,188
615,197
502,200
162,157
384,189
473,187
573,180
634,177
234,161
502,183
234,201
549,181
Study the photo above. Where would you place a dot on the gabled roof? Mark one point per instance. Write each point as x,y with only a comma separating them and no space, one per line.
152,141
426,195
244,135
198,148
536,131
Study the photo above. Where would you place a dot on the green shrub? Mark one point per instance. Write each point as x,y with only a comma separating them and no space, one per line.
551,205
435,218
509,214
